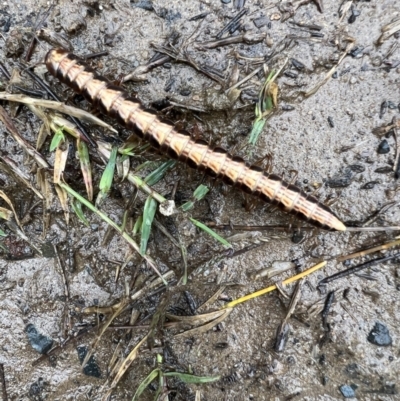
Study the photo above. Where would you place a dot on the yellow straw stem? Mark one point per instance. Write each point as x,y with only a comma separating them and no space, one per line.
273,287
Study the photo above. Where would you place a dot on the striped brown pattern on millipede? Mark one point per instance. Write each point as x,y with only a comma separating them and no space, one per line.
162,135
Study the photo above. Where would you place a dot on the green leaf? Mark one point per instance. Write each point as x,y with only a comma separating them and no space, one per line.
159,173
138,225
108,174
77,207
199,193
149,211
211,232
107,177
2,233
143,385
187,378
187,206
58,138
258,126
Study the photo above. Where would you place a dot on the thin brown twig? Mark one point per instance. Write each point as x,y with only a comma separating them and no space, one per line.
3,383
368,251
34,37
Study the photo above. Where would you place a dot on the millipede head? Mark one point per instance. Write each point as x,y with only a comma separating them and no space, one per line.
53,59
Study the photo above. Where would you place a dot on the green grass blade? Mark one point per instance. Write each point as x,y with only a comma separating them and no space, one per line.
2,233
149,211
211,232
187,206
258,126
108,174
143,385
159,173
138,225
187,378
199,193
107,177
58,138
77,207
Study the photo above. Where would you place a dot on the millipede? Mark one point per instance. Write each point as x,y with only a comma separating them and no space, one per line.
162,135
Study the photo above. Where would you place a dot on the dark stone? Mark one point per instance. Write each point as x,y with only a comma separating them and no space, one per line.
298,236
383,147
291,74
39,342
36,388
185,92
357,52
383,110
297,64
225,1
392,105
340,181
370,185
353,16
144,4
168,15
287,107
48,250
356,168
347,391
260,21
379,335
384,170
91,368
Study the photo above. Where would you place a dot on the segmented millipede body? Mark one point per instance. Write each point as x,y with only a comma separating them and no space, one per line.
163,136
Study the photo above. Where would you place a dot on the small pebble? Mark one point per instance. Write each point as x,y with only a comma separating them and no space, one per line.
91,368
356,168
331,122
384,170
384,107
379,335
392,105
357,52
383,147
294,75
287,107
260,22
39,342
185,92
370,185
353,16
143,4
297,64
347,391
225,1
298,236
340,181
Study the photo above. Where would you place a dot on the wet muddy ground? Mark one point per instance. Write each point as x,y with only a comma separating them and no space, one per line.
327,138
